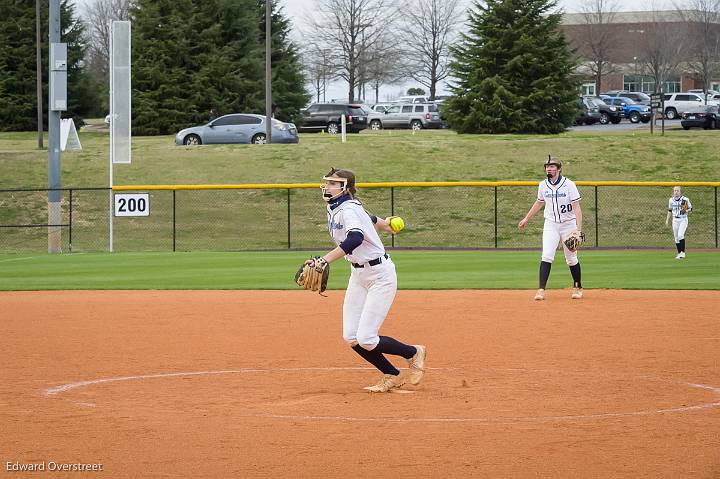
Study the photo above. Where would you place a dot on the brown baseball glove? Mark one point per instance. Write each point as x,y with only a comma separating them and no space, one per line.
574,240
684,206
313,274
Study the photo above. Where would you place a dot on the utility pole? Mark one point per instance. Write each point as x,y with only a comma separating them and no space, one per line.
57,102
38,74
268,71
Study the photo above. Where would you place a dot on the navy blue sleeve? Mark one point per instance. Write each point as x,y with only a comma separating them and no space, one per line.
353,239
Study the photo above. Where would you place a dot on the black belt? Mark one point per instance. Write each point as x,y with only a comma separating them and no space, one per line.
373,262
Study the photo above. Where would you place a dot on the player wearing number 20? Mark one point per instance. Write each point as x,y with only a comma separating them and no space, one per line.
679,207
563,215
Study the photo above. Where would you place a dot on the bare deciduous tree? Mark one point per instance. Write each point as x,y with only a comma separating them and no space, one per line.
384,64
600,41
319,68
99,17
663,45
427,32
703,18
349,28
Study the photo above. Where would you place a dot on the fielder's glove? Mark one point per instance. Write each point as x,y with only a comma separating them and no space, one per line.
574,240
684,207
314,274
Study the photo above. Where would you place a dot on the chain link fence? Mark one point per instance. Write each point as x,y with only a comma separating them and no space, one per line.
268,217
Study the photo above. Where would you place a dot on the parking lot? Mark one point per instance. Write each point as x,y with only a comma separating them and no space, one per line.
626,125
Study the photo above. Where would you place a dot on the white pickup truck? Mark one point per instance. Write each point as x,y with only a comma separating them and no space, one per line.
677,103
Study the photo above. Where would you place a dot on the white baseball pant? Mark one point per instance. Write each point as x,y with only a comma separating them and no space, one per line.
679,226
369,296
552,234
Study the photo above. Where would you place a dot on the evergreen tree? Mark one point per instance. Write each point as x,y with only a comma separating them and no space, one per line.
162,63
17,58
288,78
18,102
84,91
227,58
190,56
513,71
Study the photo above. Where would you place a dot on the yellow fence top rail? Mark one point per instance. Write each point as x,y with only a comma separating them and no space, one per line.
408,184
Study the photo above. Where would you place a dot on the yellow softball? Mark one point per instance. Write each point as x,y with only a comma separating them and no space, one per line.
396,224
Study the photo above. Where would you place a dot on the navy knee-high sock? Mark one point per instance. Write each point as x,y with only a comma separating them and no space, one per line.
388,345
544,273
376,358
679,248
682,245
575,272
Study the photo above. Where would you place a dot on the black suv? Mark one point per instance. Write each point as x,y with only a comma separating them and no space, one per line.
326,116
587,112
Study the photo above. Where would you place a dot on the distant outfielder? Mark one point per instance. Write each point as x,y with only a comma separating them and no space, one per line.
373,281
679,207
563,221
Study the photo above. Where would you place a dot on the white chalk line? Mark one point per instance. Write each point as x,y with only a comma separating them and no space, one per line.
498,419
67,387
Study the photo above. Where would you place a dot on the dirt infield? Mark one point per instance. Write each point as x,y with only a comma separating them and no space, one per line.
622,384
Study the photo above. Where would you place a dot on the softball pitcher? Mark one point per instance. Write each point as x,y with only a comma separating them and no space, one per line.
563,215
679,207
373,282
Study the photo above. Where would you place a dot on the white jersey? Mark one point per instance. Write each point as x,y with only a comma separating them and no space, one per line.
351,216
674,206
558,199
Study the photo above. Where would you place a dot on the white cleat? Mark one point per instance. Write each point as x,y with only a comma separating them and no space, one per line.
387,383
680,255
417,364
540,295
577,293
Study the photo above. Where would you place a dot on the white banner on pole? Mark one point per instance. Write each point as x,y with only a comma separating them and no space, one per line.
68,135
120,92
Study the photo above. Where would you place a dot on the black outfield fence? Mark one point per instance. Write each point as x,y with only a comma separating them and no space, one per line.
472,215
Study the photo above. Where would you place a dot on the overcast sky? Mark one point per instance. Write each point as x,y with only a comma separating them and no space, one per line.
298,10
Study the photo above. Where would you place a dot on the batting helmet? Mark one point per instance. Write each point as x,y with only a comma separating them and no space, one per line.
553,161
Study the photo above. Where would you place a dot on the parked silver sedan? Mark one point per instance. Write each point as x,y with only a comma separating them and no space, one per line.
237,128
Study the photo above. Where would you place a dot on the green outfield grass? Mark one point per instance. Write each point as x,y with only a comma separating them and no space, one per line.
416,270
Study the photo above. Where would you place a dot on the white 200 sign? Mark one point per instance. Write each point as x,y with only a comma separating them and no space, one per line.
132,205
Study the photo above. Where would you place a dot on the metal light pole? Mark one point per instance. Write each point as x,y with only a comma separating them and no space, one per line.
54,109
38,73
637,87
268,71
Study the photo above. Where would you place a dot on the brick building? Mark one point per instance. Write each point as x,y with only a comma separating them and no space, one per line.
631,39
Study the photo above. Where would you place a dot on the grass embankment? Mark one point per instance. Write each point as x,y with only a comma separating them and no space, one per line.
375,156
437,217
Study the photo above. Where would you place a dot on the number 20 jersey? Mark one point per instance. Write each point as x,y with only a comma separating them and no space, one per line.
558,199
